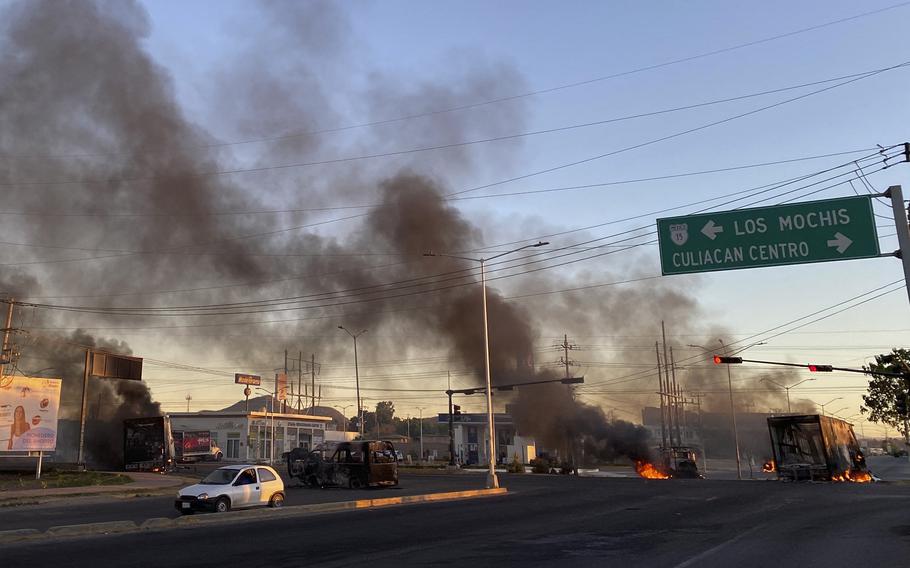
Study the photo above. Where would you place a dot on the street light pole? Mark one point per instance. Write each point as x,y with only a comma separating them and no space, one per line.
354,336
492,479
344,414
420,420
789,411
829,402
272,424
739,470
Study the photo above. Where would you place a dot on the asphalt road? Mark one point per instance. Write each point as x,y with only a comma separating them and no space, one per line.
547,521
138,509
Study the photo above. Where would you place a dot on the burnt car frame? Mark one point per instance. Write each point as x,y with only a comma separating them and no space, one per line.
357,464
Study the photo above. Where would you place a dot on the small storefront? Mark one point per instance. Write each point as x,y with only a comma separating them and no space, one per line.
248,437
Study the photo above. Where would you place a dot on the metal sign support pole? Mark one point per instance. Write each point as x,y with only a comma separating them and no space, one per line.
903,233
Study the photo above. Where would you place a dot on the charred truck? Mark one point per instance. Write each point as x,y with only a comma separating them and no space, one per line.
810,447
148,444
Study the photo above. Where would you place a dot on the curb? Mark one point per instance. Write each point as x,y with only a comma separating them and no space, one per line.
190,521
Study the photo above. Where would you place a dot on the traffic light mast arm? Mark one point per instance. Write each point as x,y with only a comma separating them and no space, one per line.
565,381
816,368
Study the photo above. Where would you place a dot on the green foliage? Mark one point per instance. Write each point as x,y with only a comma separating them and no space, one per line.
516,466
540,465
881,402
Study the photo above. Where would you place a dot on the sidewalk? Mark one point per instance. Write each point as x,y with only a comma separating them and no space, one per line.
143,482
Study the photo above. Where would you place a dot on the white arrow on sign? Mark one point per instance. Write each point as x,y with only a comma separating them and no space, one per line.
710,230
841,242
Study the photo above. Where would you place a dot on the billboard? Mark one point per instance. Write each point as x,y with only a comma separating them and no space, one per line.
110,366
281,380
244,379
28,414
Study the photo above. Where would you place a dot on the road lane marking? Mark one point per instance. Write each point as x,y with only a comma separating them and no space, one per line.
718,547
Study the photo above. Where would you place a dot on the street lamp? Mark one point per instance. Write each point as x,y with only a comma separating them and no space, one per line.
344,414
834,413
492,480
420,423
789,411
354,336
829,402
272,422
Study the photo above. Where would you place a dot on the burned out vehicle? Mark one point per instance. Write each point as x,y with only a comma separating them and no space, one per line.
349,464
810,447
680,462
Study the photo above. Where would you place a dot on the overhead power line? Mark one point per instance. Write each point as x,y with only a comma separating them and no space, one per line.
279,304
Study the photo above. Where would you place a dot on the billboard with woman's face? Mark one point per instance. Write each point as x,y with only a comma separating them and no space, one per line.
28,414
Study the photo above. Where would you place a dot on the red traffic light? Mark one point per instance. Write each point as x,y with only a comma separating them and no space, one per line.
727,360
820,368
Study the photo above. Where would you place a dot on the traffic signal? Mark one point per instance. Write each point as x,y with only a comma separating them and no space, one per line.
572,380
456,409
820,368
901,404
727,360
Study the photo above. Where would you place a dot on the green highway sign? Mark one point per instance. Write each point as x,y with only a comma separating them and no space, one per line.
815,231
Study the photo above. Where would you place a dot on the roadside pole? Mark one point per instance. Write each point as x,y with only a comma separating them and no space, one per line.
903,239
80,461
903,233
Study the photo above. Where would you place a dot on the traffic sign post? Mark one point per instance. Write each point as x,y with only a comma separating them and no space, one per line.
800,233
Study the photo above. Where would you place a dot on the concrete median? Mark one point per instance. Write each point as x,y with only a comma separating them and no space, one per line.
191,521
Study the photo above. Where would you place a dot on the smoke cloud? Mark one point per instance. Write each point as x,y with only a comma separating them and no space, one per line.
122,209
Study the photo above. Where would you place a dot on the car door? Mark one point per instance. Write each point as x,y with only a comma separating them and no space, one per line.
247,490
269,484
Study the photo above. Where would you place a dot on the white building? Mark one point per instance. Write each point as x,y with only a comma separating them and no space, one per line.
471,435
247,437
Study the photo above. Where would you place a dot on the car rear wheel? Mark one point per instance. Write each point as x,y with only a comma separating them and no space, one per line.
355,483
277,501
222,505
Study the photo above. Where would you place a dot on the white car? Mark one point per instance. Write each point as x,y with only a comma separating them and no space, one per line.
233,487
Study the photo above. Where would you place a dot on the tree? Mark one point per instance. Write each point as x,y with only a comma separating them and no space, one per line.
884,389
385,411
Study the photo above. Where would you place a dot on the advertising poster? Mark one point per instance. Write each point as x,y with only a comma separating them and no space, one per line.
28,414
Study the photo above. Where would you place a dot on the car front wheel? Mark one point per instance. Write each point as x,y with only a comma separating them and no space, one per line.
222,505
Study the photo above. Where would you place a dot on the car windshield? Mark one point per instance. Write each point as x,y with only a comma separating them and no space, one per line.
220,477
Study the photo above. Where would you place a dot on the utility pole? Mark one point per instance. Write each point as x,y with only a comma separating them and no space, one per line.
6,355
299,381
676,397
660,391
663,332
566,347
313,379
188,398
284,402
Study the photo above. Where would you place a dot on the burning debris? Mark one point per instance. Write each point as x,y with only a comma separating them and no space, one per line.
769,467
853,476
650,471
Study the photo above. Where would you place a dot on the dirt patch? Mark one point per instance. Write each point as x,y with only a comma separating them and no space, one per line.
16,481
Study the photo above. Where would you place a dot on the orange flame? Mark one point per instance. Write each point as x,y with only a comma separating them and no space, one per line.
853,476
648,471
769,466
